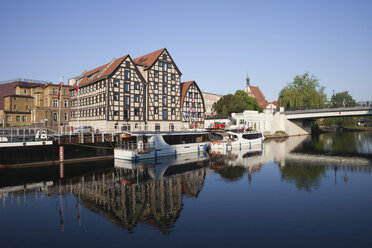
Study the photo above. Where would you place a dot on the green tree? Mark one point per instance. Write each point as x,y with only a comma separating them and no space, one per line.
304,92
342,99
236,103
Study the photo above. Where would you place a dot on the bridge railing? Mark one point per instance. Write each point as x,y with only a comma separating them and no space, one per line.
316,110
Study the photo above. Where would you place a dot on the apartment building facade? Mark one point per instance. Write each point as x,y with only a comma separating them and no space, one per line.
25,102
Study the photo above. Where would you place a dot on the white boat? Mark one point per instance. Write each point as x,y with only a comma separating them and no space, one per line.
148,145
229,140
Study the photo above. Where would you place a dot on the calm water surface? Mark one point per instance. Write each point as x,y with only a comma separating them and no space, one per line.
299,192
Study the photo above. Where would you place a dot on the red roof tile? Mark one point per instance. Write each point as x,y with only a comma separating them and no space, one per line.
258,95
148,59
99,72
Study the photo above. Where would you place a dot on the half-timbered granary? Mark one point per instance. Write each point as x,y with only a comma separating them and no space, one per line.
139,94
109,97
163,86
192,104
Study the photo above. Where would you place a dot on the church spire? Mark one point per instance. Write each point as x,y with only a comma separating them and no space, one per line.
247,80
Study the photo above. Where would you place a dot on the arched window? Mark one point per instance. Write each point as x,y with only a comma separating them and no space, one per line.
65,104
66,117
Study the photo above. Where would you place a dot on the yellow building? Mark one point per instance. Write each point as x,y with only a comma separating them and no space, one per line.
30,102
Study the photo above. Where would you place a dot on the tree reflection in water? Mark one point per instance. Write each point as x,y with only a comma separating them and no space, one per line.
305,177
232,173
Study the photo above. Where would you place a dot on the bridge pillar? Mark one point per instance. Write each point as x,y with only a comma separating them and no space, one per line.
304,124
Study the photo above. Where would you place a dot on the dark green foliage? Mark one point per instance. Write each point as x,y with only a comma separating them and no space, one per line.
232,173
342,99
305,177
236,103
304,92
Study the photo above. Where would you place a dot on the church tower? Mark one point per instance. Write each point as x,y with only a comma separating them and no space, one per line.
247,80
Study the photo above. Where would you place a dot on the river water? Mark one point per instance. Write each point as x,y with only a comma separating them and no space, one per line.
313,191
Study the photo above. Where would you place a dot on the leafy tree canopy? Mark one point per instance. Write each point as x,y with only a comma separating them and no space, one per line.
236,103
304,92
342,99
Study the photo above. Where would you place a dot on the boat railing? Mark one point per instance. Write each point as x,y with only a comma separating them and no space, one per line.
134,146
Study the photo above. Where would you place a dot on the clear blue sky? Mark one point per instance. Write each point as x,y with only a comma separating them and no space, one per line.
213,42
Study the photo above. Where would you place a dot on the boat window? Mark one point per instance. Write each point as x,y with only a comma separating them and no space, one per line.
185,138
251,136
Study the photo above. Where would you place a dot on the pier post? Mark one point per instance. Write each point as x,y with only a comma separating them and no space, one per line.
92,137
61,153
112,137
61,170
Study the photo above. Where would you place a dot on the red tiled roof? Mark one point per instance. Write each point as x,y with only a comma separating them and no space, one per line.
148,59
99,72
258,95
184,87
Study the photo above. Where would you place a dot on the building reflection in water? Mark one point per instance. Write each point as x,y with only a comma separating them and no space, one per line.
146,193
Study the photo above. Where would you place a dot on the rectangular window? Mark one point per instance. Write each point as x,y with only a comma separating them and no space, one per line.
187,104
156,110
116,96
173,99
169,65
156,74
190,95
164,66
116,83
164,101
24,118
126,100
126,114
136,86
160,63
156,86
9,118
173,111
173,87
173,77
196,95
165,78
136,112
156,98
127,63
136,98
18,118
127,74
116,113
165,114
55,91
165,89
55,103
126,87
15,107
